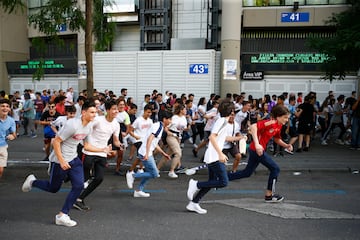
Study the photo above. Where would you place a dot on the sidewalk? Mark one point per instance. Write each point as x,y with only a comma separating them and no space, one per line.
334,157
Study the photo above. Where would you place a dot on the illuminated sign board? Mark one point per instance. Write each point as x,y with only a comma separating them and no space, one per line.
58,66
285,58
282,62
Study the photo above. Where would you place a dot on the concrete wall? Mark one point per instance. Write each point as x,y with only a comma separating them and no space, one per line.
14,45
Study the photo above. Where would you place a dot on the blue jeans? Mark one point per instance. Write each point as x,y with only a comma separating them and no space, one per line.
253,162
217,179
57,176
151,171
355,132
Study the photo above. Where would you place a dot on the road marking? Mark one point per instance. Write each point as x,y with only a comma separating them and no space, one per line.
145,190
285,210
324,191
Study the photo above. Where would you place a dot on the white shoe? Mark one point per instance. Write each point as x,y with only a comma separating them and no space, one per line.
192,189
173,175
182,145
141,194
324,143
195,207
140,170
195,145
26,187
130,180
339,141
64,220
191,140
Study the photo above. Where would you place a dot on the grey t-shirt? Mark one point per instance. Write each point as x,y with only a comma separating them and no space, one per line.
72,133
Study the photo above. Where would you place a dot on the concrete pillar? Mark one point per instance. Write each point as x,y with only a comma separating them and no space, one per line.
230,46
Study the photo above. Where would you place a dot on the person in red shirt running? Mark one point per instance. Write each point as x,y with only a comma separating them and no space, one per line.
261,133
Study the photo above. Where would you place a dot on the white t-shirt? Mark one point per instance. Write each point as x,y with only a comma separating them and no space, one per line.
157,130
59,122
141,126
212,115
72,134
178,123
101,133
201,112
221,128
240,116
235,128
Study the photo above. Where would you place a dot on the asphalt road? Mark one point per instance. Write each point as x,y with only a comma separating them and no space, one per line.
321,202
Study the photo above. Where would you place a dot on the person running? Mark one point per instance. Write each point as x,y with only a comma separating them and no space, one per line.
214,158
149,144
66,163
7,132
94,159
138,131
261,133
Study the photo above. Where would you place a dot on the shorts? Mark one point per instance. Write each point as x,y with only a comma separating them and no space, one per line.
47,140
293,132
305,128
233,151
3,156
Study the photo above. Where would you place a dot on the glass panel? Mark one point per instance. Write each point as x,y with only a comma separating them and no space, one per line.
34,3
291,2
249,3
274,2
318,2
337,1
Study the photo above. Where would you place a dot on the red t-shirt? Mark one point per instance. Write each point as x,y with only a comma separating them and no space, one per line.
265,133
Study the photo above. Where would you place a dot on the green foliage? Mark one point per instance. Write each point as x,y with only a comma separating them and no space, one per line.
10,6
103,30
343,49
50,17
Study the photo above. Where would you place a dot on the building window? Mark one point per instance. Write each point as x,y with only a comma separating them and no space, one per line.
265,3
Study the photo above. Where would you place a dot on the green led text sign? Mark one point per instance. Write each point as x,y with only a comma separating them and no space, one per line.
288,58
48,64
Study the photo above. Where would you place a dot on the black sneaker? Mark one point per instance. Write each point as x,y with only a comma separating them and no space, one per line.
80,205
306,149
194,152
274,198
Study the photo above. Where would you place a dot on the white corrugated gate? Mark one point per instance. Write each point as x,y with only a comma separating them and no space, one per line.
52,83
277,84
141,72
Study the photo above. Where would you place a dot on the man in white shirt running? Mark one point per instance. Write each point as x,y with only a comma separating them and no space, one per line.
103,128
66,163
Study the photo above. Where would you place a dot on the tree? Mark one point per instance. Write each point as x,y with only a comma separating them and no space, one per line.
343,50
55,13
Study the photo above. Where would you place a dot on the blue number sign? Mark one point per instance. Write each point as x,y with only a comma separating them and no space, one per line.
199,68
295,17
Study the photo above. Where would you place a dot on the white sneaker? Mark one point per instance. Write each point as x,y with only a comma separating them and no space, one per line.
64,220
195,207
141,194
182,145
26,187
130,180
324,143
173,175
140,170
195,145
339,141
192,189
191,140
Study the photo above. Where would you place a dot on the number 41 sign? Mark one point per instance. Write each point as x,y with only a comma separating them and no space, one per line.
295,17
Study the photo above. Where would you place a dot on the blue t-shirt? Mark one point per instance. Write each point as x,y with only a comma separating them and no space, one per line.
6,127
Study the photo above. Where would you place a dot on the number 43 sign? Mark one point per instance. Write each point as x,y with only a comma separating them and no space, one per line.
199,68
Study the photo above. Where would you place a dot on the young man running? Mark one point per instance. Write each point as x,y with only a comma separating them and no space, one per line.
94,156
7,132
214,157
66,163
149,144
261,133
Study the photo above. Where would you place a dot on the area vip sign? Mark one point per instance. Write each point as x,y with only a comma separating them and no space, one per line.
255,75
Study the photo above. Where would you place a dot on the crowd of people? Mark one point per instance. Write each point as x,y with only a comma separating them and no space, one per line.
81,136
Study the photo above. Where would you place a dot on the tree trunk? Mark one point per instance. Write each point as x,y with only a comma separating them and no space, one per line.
89,47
